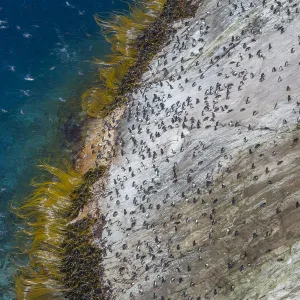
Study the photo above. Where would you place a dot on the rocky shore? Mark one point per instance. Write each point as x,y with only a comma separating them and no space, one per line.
202,197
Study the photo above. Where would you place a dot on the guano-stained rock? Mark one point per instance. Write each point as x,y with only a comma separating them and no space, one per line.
202,200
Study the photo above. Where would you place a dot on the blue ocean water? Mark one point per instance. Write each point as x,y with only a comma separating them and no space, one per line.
46,53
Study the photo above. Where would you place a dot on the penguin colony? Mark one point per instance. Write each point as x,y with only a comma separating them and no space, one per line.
202,198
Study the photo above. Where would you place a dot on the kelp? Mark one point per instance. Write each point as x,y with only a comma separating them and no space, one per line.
63,262
48,213
82,195
135,39
80,264
121,31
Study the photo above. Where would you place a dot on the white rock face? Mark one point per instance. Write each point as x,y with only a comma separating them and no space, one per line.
201,201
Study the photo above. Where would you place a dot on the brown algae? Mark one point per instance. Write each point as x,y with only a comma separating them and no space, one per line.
48,213
63,262
135,40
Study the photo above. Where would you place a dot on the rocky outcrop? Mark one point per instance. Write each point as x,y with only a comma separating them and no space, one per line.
202,200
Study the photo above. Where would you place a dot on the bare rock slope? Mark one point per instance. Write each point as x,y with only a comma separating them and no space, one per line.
202,199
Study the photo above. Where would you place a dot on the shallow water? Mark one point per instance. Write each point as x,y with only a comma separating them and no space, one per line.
46,53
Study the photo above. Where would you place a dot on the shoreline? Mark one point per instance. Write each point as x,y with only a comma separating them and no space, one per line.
196,190
71,208
99,142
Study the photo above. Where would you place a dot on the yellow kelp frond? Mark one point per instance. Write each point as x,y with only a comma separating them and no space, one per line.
142,15
51,193
114,75
31,285
121,31
45,213
135,39
96,101
69,177
48,214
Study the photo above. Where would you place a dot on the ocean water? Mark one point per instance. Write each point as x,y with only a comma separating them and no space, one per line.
46,54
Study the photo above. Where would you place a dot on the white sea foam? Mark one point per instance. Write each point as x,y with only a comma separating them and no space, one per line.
28,78
27,35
